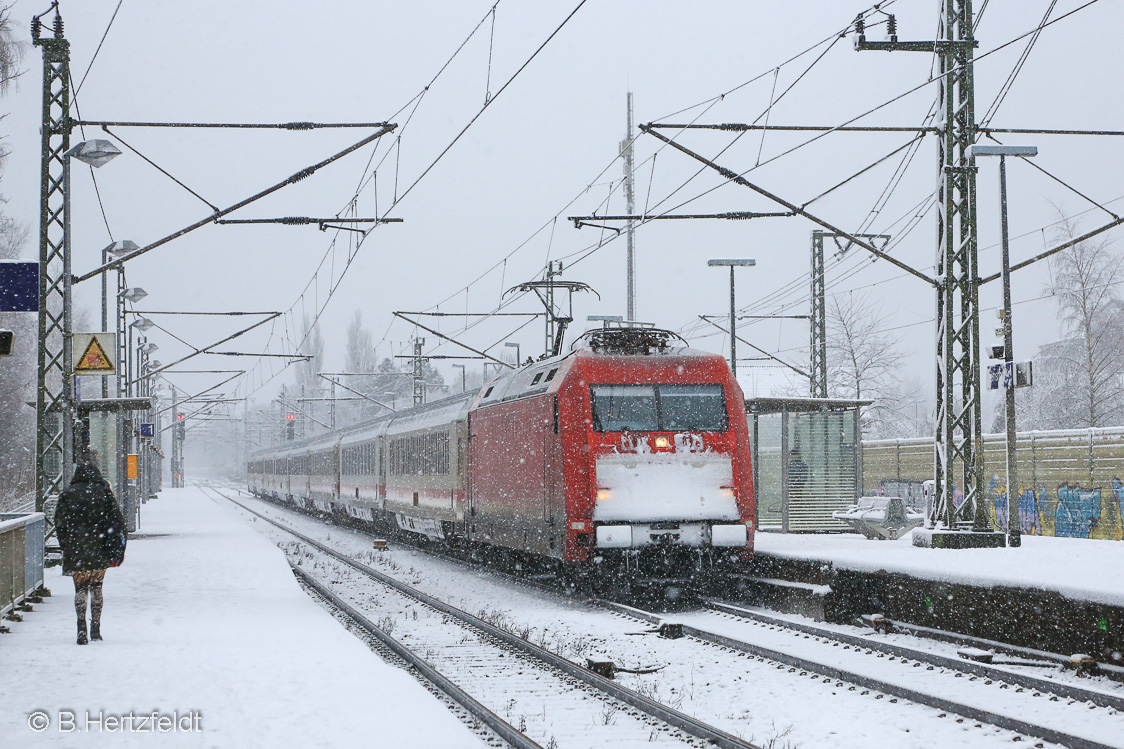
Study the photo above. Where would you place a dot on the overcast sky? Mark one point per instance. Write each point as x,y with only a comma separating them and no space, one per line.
482,219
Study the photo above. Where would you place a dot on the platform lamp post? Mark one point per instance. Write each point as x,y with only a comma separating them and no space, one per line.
1014,531
464,378
732,263
116,249
518,361
144,366
141,324
96,153
127,387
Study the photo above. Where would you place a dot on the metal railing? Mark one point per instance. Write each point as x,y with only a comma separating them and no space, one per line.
21,557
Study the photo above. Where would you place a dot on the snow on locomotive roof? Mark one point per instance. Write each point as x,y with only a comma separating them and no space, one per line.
533,379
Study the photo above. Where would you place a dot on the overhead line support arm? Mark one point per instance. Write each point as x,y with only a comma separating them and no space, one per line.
795,369
1053,251
451,340
250,125
737,178
219,214
206,349
353,390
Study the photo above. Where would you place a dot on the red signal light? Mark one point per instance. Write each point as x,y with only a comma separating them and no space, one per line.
290,417
179,416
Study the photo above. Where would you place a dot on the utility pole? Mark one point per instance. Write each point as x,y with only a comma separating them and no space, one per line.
959,438
419,372
818,343
54,422
630,202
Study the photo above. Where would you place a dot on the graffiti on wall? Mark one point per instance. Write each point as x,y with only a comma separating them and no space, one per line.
1070,511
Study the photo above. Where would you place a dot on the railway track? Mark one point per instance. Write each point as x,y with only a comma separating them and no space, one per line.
501,670
1030,658
840,658
1051,710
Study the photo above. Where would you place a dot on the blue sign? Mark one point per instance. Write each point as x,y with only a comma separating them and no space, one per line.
19,286
148,430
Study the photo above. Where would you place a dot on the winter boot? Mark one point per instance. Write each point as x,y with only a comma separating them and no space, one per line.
95,630
82,640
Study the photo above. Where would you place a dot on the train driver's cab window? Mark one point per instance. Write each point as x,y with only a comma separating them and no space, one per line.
659,408
621,408
692,408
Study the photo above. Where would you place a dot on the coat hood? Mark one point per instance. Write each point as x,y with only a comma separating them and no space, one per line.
86,473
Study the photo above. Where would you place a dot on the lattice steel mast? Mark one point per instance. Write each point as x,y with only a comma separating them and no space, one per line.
54,428
959,437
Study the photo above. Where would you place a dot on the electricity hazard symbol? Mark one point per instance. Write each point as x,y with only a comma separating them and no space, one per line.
94,353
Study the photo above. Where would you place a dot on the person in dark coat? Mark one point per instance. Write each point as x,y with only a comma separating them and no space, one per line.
91,532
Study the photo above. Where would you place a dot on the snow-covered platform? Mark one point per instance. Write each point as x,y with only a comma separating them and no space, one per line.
1064,595
205,626
1077,568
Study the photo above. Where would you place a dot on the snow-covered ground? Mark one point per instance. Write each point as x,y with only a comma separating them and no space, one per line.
1075,567
753,699
205,619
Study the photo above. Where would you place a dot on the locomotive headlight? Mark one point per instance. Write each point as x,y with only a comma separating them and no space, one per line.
604,494
662,442
726,491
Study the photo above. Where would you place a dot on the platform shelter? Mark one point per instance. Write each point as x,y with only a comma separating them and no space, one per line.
808,461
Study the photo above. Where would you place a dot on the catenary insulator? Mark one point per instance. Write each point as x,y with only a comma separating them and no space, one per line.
58,26
891,25
860,25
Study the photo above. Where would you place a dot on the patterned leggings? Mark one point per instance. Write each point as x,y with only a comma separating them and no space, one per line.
85,584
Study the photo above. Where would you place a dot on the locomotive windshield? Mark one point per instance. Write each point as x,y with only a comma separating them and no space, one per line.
659,408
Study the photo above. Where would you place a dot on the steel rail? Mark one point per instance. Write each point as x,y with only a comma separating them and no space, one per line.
868,682
1114,672
1029,681
505,730
682,721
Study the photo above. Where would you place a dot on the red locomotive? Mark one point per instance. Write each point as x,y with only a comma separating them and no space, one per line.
626,455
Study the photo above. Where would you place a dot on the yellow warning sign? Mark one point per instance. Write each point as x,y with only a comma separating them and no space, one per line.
94,353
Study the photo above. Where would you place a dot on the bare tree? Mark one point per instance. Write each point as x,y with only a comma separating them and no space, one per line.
12,50
360,358
1086,291
863,361
17,372
308,383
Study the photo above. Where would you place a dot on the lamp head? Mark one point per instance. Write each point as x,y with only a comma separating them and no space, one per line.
124,247
96,152
1004,150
